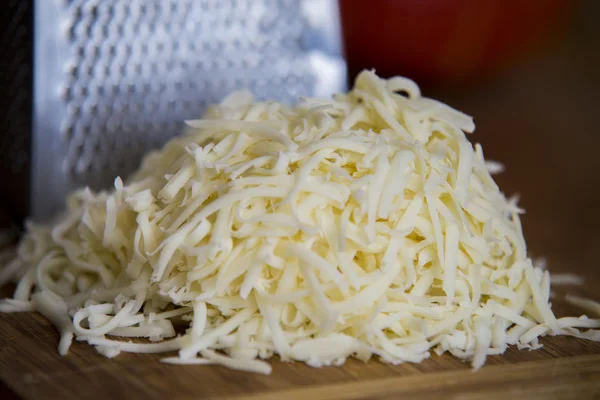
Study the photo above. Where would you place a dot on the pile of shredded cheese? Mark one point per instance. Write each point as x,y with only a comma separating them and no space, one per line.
362,226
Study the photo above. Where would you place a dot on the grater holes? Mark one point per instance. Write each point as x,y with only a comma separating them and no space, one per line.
150,65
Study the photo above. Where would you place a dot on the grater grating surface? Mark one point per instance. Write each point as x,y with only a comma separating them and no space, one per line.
116,78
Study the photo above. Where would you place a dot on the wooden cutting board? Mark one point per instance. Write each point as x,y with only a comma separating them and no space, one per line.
30,368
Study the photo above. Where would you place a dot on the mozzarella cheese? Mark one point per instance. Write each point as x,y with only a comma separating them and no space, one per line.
365,225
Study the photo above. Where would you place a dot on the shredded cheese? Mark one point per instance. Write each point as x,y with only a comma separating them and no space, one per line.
367,225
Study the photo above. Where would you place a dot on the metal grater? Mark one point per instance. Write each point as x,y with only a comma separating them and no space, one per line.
115,78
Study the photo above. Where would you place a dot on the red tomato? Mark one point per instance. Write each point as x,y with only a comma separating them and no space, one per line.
444,40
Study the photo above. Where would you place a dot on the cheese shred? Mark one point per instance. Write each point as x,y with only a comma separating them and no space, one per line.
359,226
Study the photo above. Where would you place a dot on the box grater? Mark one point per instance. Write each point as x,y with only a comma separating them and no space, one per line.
115,78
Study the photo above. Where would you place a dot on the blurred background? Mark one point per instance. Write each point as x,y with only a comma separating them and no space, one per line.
89,86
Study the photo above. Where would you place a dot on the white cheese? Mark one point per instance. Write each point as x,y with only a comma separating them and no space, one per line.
364,225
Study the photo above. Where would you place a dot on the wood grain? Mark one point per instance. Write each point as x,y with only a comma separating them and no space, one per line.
32,369
541,120
538,379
